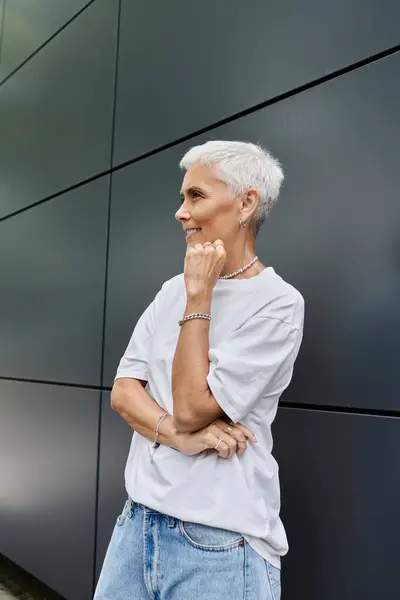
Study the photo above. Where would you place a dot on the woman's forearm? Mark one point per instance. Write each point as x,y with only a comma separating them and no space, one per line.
141,411
194,405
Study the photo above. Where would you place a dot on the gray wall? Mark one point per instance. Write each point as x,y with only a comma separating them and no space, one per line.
98,101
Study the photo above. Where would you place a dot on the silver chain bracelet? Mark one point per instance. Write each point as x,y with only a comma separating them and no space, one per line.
156,443
195,316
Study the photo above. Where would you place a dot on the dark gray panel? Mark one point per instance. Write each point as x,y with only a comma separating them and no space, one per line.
29,24
53,277
56,111
1,27
340,484
116,437
335,233
147,246
48,457
211,59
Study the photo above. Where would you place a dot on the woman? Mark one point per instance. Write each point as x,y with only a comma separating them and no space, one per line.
199,383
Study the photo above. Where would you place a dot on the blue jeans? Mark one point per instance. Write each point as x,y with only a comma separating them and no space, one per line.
153,556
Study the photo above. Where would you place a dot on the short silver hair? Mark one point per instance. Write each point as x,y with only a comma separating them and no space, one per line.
241,165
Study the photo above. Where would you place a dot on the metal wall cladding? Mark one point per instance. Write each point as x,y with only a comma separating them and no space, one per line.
48,454
28,25
186,65
56,111
53,278
1,26
147,246
116,436
340,487
334,234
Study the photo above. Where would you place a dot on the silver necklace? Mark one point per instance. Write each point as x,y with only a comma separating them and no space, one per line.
239,270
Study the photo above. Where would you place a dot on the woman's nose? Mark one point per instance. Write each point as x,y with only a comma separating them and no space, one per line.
181,214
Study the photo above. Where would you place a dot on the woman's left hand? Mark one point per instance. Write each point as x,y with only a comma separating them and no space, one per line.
221,437
203,265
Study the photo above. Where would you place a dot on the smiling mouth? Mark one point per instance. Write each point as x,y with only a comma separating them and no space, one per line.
190,232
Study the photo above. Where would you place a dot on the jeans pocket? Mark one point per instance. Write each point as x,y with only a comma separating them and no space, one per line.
127,510
274,577
204,537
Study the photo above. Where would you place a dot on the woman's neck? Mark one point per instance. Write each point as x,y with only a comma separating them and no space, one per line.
237,257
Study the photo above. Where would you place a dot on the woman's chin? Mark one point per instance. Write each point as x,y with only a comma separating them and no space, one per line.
194,238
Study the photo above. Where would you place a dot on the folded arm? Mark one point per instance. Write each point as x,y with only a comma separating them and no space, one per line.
251,363
194,405
141,412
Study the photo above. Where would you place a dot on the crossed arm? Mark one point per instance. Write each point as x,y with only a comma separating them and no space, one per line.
198,421
194,405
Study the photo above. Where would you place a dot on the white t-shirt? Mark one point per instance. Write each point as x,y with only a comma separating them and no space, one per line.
255,335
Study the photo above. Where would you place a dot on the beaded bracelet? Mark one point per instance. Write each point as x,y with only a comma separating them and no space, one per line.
195,316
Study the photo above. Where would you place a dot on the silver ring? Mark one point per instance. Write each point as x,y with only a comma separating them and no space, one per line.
218,443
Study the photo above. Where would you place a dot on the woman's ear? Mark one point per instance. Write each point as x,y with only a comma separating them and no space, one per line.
250,203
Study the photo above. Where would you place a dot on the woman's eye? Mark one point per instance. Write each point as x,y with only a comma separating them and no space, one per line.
194,195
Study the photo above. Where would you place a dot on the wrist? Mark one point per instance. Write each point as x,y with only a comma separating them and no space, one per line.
200,302
168,433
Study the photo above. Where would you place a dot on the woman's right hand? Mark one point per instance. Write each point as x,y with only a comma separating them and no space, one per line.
222,437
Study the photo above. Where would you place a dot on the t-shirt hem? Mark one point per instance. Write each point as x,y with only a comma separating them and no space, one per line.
132,374
224,403
273,559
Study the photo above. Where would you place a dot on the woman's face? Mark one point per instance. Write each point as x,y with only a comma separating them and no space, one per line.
207,207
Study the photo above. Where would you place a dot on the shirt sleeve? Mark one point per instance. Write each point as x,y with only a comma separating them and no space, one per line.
134,362
252,363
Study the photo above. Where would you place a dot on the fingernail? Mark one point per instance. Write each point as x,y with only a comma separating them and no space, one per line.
253,439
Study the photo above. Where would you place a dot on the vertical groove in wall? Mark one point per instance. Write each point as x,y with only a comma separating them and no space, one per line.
105,295
96,499
2,16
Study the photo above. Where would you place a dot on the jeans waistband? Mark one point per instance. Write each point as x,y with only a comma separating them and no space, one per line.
146,509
